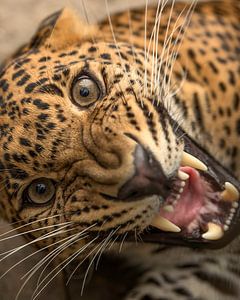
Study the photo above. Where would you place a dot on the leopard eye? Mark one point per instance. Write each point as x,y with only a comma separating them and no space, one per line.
40,191
85,91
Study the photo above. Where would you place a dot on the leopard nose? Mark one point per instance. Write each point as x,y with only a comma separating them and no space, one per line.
149,178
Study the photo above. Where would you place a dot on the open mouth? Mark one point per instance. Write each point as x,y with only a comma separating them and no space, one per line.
202,209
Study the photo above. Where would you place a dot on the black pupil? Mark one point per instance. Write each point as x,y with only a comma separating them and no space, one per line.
84,92
41,188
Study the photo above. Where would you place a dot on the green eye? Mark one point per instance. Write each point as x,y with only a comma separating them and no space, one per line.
85,91
40,191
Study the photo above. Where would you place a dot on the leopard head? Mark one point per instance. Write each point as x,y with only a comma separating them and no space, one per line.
89,149
83,145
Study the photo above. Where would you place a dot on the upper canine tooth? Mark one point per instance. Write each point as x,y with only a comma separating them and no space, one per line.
215,232
230,193
191,161
164,224
182,175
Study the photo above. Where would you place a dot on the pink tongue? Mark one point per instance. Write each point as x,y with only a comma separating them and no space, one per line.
190,202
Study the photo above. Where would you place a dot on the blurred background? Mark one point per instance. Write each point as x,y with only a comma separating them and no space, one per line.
19,18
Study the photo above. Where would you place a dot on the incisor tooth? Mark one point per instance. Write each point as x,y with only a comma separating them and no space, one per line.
182,175
230,193
191,161
235,204
225,228
214,232
168,208
164,224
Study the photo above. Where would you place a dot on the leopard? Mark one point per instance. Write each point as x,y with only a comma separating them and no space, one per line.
119,146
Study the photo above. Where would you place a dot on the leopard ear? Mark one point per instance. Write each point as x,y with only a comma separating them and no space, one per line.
62,29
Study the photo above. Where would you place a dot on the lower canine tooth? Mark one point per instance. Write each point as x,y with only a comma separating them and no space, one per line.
214,232
164,224
191,161
230,193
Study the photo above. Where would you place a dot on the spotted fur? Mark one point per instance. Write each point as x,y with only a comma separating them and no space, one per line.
89,152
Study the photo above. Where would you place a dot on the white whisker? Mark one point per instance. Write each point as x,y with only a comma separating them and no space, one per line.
91,262
34,253
64,263
56,252
72,239
106,245
185,25
122,242
166,40
28,224
32,230
45,236
113,34
145,47
76,235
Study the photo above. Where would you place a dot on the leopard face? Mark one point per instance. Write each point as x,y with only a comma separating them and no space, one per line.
90,145
74,135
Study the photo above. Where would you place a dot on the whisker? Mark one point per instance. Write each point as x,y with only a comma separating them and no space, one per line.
109,248
72,239
92,261
75,239
64,263
166,39
153,37
90,264
121,244
103,249
173,57
74,235
34,253
81,262
86,257
27,224
164,91
145,47
156,44
12,251
87,19
32,230
113,35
